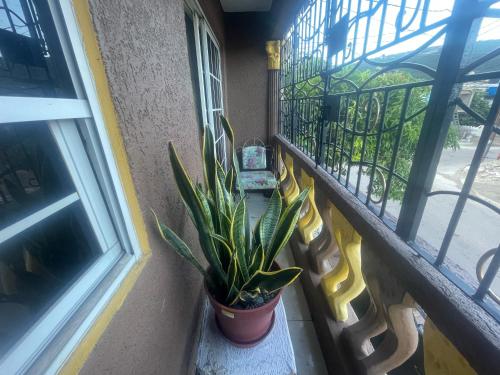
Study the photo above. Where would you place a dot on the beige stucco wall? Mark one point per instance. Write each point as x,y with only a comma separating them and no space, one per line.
143,44
246,67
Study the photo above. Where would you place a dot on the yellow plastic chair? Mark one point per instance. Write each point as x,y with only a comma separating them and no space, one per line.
291,188
339,273
310,224
345,282
281,166
284,180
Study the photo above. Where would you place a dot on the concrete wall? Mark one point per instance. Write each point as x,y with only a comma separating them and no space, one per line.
143,44
246,67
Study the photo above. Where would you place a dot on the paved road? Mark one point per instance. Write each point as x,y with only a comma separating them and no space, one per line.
479,227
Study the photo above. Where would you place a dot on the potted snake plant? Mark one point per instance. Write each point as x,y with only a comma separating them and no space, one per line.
243,281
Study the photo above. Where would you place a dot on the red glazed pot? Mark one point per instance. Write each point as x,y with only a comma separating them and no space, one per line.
244,328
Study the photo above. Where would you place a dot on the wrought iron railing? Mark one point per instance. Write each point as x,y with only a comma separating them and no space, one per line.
374,91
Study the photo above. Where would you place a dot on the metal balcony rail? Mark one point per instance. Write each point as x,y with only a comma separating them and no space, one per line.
373,91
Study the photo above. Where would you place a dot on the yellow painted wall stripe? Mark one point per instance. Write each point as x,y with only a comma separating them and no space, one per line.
78,358
441,357
80,355
94,58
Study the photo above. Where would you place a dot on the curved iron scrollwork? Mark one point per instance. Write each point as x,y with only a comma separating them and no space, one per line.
480,271
360,87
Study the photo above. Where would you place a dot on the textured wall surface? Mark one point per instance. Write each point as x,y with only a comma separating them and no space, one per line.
144,49
246,67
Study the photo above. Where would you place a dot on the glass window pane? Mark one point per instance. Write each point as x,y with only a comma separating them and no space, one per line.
211,57
38,265
32,172
31,58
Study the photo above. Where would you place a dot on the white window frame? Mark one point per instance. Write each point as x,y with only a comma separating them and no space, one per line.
202,35
117,238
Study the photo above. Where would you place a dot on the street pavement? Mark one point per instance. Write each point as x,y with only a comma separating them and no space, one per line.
479,227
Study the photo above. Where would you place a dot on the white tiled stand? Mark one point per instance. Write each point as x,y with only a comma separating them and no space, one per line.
272,356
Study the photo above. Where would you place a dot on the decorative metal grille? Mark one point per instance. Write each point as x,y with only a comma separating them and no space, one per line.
374,91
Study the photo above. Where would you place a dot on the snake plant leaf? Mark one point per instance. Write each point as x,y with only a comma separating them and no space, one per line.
225,253
209,160
199,186
243,295
223,240
199,212
226,197
271,281
229,180
229,204
226,193
185,186
221,174
285,228
180,246
207,207
232,274
214,225
238,237
234,158
247,296
255,240
225,226
233,295
221,178
219,198
269,220
248,233
236,256
257,260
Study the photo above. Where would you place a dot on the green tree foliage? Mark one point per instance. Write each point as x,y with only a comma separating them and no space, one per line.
480,105
353,122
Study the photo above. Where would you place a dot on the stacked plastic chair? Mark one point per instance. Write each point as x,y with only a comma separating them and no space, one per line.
310,223
390,312
283,174
328,234
289,186
345,282
323,247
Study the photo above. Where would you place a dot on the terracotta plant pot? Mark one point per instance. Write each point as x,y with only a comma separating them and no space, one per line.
244,328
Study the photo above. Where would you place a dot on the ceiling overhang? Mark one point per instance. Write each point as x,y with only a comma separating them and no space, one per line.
232,6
